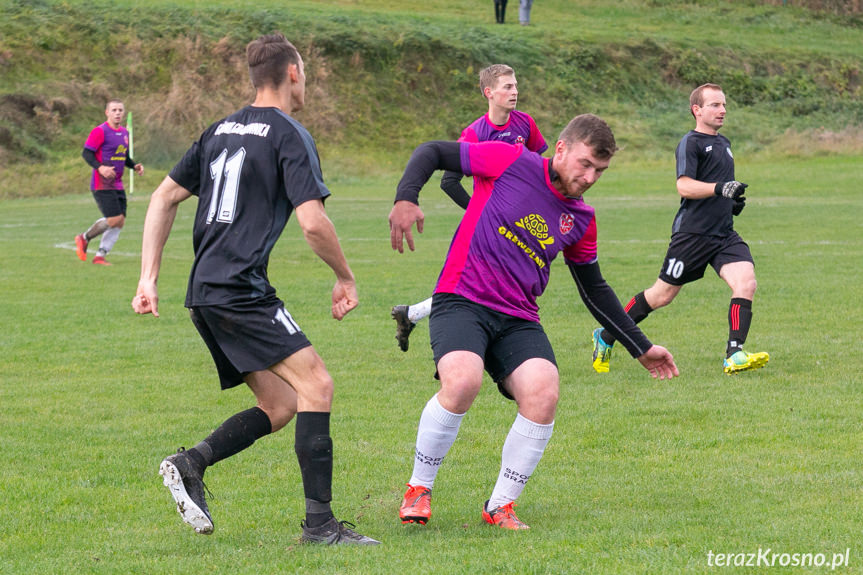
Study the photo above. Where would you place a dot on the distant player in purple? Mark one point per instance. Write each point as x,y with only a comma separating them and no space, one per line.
107,152
502,123
525,211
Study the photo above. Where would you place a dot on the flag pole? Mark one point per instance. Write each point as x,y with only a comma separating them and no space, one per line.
131,154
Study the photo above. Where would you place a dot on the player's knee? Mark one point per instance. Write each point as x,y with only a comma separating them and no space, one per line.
540,404
745,288
659,297
546,399
279,414
462,389
319,391
548,394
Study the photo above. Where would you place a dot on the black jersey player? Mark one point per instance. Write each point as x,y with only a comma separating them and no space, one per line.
250,171
702,234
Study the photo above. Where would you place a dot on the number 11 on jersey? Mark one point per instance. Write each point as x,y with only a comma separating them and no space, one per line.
225,173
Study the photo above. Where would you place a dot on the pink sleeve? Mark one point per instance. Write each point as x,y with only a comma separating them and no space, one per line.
95,139
584,250
468,135
535,141
488,159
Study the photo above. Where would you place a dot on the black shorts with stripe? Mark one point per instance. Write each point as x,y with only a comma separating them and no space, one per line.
503,341
247,337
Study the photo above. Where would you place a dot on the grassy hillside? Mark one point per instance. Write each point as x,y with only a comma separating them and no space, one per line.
383,78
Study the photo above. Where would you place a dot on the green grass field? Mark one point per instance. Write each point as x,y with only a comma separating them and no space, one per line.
641,476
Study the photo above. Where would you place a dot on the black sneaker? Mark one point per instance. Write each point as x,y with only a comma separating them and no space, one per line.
183,478
404,326
335,532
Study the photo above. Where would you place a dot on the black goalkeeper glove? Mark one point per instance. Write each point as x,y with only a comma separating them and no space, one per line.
730,190
739,204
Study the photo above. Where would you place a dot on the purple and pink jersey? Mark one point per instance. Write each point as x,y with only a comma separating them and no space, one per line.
520,129
515,225
111,147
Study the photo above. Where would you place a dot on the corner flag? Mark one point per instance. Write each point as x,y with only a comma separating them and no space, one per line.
131,154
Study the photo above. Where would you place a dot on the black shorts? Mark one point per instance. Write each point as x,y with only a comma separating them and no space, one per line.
503,341
248,337
688,255
111,202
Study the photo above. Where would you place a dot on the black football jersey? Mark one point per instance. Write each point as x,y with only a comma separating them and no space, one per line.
706,158
249,171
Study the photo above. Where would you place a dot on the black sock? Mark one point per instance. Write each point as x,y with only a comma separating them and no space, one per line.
637,309
314,449
739,320
234,435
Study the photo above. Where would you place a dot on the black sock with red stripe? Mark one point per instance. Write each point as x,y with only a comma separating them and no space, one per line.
739,320
637,309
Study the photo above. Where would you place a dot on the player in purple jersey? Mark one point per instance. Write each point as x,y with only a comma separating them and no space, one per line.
250,171
702,233
502,123
107,152
525,211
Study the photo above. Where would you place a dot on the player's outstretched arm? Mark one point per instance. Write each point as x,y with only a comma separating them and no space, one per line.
402,218
320,234
157,227
426,158
659,362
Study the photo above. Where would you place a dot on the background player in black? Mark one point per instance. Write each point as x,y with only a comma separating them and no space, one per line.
702,234
250,171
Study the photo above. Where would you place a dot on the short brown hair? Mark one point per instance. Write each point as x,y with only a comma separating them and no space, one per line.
696,98
269,57
593,131
488,76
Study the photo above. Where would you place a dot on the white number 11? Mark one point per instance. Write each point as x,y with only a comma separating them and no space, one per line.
225,196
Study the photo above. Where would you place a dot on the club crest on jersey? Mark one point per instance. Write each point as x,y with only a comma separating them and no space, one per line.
535,224
519,140
566,223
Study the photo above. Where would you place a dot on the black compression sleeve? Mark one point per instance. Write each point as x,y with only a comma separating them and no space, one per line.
603,304
130,163
90,157
451,184
428,157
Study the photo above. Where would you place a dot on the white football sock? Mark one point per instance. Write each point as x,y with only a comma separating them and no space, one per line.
109,238
436,434
522,451
419,310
